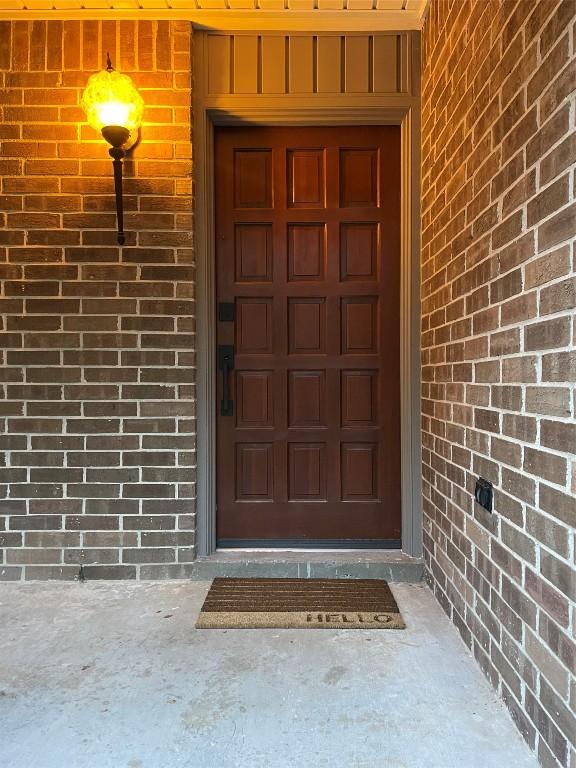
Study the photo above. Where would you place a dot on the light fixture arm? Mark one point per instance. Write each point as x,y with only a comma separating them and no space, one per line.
117,155
117,136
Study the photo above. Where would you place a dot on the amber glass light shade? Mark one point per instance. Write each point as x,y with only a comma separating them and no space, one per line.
111,98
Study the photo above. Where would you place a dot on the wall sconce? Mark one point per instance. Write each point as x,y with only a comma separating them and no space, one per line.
114,107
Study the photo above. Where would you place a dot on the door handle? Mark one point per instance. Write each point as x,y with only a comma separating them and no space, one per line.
226,365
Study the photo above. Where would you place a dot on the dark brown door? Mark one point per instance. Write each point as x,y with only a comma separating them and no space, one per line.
307,249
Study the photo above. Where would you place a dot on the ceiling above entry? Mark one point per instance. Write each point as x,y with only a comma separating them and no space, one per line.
284,15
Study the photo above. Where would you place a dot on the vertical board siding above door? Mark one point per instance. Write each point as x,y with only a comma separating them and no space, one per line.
299,64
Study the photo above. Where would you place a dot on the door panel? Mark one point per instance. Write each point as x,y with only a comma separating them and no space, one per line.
253,255
307,250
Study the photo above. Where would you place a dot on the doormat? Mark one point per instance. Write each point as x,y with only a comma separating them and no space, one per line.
233,603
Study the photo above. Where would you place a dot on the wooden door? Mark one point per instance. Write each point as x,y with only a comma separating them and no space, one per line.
307,250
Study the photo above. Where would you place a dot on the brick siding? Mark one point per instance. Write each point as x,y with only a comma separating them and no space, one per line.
498,339
97,452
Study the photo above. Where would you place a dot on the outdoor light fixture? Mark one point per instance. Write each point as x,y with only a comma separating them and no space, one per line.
114,107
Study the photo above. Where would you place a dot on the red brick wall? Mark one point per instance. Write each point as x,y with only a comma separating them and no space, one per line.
97,446
498,338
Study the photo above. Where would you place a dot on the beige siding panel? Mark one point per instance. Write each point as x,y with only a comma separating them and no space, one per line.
329,64
301,73
386,63
218,64
355,64
404,75
273,64
246,63
357,78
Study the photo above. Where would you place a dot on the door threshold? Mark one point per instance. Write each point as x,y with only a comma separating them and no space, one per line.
390,564
314,550
303,545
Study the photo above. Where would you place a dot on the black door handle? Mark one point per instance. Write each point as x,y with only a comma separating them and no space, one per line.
226,364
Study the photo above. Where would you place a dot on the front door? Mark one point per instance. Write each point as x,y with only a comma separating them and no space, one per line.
308,270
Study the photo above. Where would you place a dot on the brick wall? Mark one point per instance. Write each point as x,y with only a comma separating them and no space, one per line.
97,447
498,337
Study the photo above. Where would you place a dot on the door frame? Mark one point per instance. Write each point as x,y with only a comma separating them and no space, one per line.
403,111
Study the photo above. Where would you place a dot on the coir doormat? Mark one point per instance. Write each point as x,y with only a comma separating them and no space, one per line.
299,604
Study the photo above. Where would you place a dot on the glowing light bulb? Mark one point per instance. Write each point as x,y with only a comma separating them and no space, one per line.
113,113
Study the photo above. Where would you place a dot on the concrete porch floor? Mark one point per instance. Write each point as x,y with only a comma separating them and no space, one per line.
114,675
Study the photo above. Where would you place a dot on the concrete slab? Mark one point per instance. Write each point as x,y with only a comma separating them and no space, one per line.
392,565
114,675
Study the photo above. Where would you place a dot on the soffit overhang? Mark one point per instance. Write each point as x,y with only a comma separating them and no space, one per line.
281,15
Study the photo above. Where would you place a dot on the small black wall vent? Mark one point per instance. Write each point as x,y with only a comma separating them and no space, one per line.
484,493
